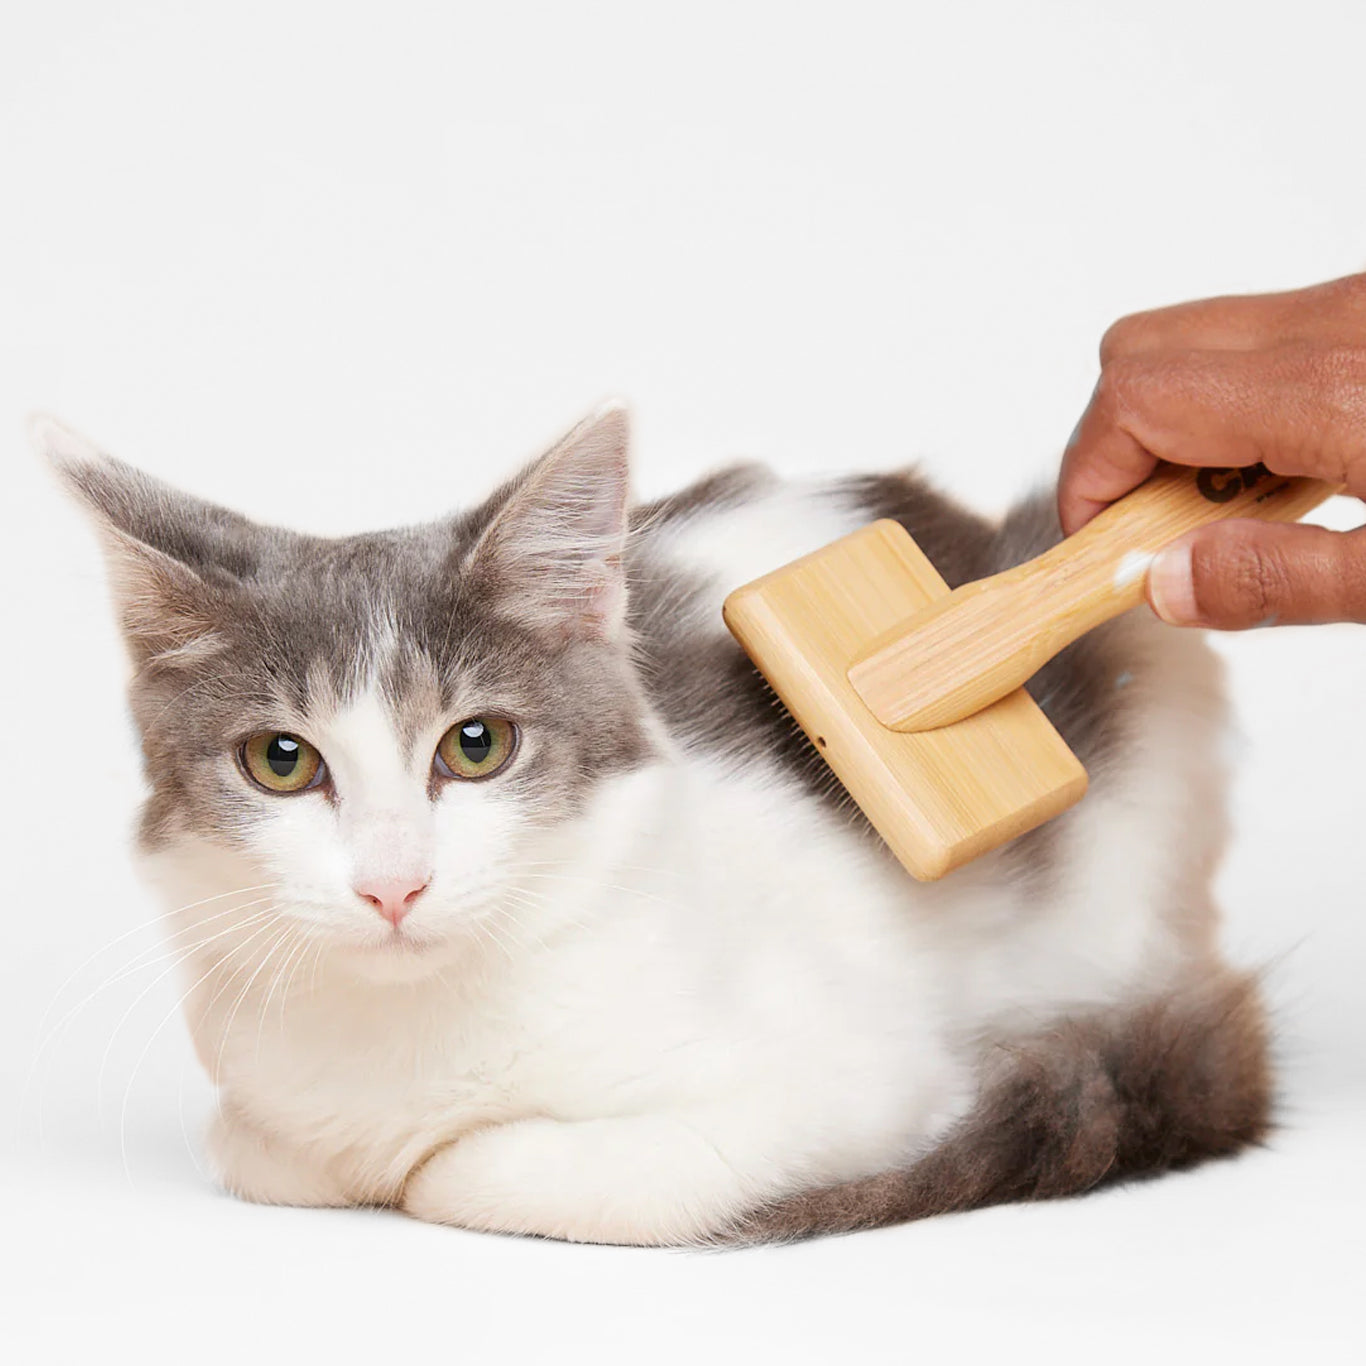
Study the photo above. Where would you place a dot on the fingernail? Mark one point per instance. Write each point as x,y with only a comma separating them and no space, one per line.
1171,585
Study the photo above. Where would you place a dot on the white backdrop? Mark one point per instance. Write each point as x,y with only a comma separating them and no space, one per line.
344,265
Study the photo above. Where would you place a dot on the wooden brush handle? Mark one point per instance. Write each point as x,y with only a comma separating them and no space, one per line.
987,638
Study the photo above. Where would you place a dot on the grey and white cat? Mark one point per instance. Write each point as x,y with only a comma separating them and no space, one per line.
510,898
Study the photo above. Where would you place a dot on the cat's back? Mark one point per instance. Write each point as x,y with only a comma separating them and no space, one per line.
689,550
1140,704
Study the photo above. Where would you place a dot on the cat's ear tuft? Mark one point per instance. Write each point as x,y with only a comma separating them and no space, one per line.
63,448
151,536
552,553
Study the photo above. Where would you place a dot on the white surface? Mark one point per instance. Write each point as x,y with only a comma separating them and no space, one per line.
344,266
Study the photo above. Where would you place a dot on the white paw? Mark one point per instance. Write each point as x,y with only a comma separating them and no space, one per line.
637,1181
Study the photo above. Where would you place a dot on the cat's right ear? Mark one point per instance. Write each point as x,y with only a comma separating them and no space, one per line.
552,553
164,549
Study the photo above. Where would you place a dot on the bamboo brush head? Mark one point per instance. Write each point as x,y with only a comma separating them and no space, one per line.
941,797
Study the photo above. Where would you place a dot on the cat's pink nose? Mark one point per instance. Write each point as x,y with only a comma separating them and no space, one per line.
393,898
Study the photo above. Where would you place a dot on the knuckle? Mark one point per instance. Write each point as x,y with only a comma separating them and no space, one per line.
1107,386
1340,372
1351,368
1350,287
1332,406
1239,581
1123,337
1120,385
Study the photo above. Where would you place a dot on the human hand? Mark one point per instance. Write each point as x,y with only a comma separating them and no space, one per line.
1275,378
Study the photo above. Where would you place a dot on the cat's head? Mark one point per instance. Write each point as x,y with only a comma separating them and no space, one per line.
385,732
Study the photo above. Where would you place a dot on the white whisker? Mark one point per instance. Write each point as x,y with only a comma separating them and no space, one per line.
285,965
310,945
485,927
138,929
571,879
155,955
151,986
237,1005
184,1128
161,1024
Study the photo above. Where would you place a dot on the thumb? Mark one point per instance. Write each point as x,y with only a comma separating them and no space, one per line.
1238,574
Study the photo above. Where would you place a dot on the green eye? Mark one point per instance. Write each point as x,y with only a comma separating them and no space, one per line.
282,763
476,748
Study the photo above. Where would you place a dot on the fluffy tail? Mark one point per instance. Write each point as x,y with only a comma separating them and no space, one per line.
1091,1101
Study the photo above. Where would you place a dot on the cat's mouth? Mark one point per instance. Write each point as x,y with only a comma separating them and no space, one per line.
398,956
401,941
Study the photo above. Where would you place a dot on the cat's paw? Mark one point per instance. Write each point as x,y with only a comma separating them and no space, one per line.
642,1181
266,1171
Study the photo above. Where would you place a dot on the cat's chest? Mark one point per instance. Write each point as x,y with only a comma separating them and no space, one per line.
370,1091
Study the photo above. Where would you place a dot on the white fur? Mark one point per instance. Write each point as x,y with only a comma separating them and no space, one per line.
703,992
736,545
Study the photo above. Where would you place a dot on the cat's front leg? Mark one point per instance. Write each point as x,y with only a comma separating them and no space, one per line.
643,1179
265,1169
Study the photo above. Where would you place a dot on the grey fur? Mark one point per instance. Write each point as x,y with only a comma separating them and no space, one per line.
283,615
1091,1101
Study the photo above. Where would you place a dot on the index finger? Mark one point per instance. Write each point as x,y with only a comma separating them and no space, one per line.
1328,314
1102,462
1298,409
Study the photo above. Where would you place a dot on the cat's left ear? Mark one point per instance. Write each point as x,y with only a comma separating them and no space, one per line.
552,554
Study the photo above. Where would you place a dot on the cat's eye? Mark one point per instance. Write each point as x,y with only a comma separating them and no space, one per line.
476,748
282,763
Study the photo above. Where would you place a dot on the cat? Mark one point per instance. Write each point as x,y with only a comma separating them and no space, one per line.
511,898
